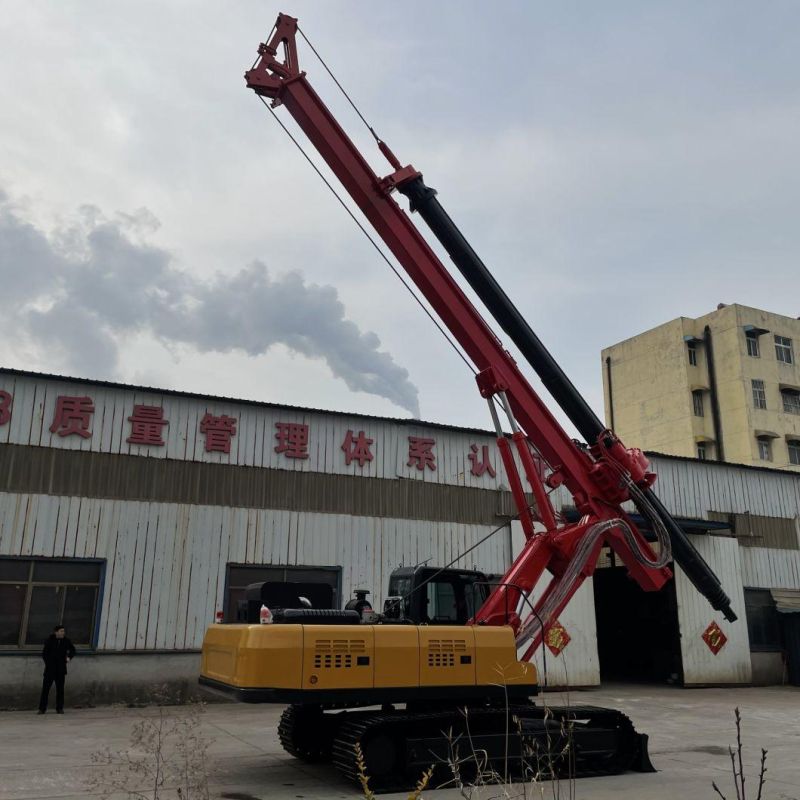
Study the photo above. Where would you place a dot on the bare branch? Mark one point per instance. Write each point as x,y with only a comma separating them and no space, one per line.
739,746
762,773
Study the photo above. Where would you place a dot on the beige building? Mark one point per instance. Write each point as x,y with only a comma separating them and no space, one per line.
724,386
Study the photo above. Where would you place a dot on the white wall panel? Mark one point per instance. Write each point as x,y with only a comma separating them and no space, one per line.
688,488
165,569
768,568
732,662
578,663
693,488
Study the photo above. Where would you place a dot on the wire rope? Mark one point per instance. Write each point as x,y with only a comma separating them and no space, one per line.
584,549
366,233
341,88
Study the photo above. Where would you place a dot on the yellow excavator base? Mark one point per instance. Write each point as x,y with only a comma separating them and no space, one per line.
363,664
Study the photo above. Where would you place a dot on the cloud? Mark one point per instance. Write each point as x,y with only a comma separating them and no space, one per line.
641,164
82,290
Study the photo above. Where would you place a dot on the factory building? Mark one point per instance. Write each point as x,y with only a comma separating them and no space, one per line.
135,515
724,386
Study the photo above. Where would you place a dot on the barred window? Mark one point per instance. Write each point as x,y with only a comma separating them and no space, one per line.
783,349
38,594
794,451
691,349
759,394
791,401
753,349
765,449
697,403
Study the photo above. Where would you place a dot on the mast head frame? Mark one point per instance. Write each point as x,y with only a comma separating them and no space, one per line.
269,74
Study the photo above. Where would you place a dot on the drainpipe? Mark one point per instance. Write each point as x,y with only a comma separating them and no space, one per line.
712,385
610,393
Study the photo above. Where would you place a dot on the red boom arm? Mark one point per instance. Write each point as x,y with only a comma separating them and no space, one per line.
599,480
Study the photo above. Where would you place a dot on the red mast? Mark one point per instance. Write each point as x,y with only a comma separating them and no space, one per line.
599,477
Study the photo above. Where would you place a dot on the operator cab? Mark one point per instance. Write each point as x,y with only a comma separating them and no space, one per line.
438,597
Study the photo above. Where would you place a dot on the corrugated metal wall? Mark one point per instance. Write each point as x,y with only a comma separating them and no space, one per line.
578,663
47,470
693,488
700,665
766,568
254,444
754,530
165,570
167,555
688,488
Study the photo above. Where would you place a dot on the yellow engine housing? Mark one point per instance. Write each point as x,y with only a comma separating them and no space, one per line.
290,663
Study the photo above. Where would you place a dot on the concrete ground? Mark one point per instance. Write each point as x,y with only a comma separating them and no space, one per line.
690,729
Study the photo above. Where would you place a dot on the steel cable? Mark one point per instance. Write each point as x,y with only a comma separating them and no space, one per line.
367,234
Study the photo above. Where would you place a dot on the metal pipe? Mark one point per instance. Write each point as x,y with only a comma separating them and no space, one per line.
685,554
714,397
423,199
610,394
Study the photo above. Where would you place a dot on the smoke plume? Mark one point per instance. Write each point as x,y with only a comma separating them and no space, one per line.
83,289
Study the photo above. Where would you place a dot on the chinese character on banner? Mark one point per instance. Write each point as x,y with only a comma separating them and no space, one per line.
714,637
420,453
556,638
5,407
147,423
292,439
218,432
357,448
73,416
481,464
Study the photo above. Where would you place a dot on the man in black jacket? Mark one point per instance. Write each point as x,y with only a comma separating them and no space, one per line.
57,652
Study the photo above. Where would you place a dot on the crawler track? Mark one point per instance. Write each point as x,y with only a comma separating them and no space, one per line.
307,733
523,741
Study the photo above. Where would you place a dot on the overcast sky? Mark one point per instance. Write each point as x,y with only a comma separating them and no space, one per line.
616,165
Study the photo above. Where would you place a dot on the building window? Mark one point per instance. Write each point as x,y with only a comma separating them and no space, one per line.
791,401
794,451
783,349
38,594
759,394
240,576
765,449
752,344
763,625
702,453
697,403
691,349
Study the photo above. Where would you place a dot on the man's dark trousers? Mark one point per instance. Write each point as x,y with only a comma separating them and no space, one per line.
55,654
49,680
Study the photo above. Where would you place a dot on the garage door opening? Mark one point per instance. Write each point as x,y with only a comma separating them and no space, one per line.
637,632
